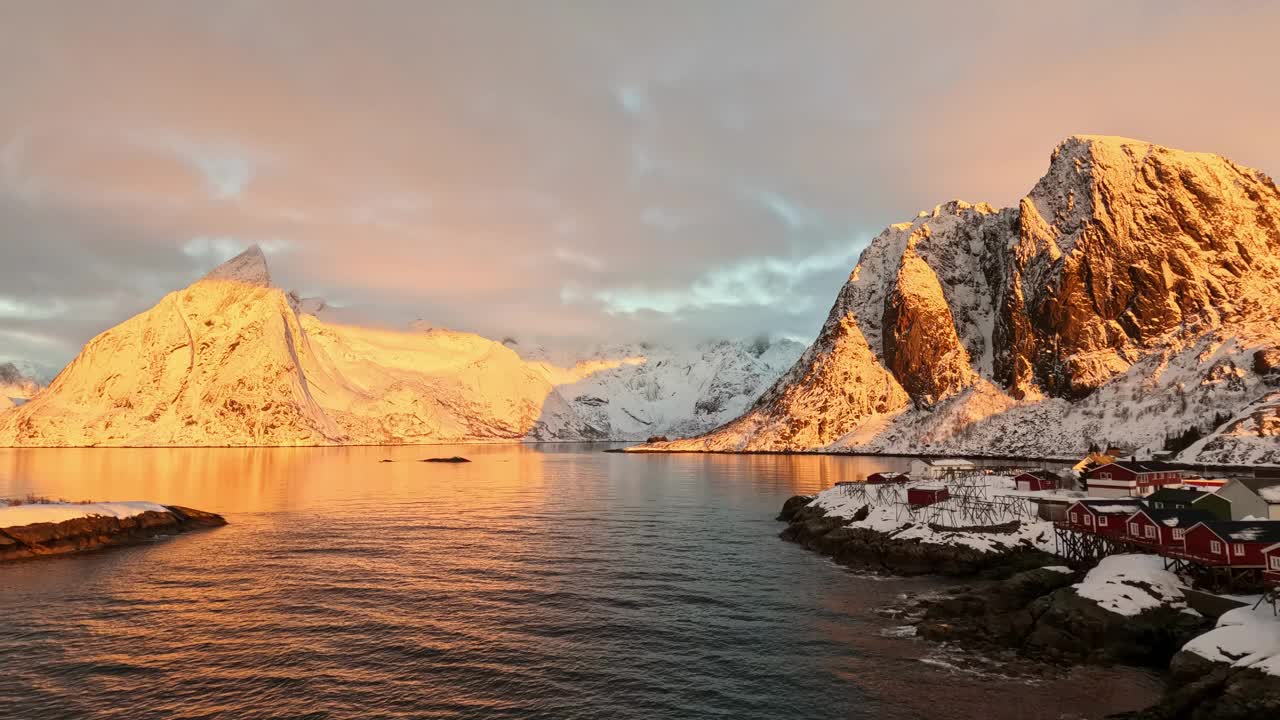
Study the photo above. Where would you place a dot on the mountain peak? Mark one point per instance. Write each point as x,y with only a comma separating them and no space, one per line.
249,267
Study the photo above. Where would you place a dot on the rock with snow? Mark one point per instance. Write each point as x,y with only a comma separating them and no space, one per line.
38,529
1132,584
1125,299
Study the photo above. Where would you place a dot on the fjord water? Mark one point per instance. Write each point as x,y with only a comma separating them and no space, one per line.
551,581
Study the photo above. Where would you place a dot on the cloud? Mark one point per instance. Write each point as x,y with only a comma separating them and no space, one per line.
610,170
753,283
225,168
215,250
577,259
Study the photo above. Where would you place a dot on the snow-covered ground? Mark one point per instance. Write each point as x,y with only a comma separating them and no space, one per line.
30,513
1244,637
1130,584
893,519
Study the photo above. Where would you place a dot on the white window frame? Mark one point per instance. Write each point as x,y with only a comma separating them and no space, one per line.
1215,547
1102,520
1179,533
1237,550
1133,529
1151,532
1275,561
1075,517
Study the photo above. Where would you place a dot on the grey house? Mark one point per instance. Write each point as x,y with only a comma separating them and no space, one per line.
1252,497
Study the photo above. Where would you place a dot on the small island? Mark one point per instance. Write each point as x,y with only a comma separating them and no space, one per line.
37,527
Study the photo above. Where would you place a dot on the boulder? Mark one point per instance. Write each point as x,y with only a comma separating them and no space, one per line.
793,505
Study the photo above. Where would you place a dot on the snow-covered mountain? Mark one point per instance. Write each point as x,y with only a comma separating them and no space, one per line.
18,384
637,391
233,360
1132,296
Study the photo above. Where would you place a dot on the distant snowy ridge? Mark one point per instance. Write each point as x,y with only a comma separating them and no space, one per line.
1131,296
233,361
18,384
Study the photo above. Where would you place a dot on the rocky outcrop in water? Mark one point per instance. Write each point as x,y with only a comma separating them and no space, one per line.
814,529
1039,614
91,533
1205,690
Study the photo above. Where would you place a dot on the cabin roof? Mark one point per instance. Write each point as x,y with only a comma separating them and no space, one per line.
1246,530
1176,518
1112,507
1042,474
1143,466
1266,488
1173,495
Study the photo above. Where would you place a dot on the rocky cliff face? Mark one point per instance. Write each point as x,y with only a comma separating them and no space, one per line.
232,360
1127,297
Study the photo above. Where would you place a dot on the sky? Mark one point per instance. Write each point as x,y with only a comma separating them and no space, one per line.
587,169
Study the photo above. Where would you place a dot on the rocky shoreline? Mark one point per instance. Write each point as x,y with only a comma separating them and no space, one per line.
1030,606
94,532
815,529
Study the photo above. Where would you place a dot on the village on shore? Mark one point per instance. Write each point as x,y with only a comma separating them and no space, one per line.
1149,553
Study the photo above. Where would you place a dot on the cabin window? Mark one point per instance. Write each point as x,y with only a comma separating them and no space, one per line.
1178,533
1104,476
1215,547
1075,518
1133,528
1275,562
1102,520
1151,531
1238,549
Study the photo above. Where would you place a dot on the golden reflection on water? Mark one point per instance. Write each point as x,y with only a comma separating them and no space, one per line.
239,480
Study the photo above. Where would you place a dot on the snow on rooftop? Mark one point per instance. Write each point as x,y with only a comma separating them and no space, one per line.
1244,637
1270,493
1247,534
28,514
1110,509
1130,584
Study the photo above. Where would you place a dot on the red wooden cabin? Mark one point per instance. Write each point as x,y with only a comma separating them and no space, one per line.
1271,571
1163,529
1131,478
927,495
887,478
1238,543
1037,480
1102,517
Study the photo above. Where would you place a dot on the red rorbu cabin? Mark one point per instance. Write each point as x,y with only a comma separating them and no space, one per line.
1163,529
887,478
1237,543
927,495
1131,478
1038,480
1271,571
1102,517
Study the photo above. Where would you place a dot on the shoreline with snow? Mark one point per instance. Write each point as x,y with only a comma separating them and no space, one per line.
42,529
1126,610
